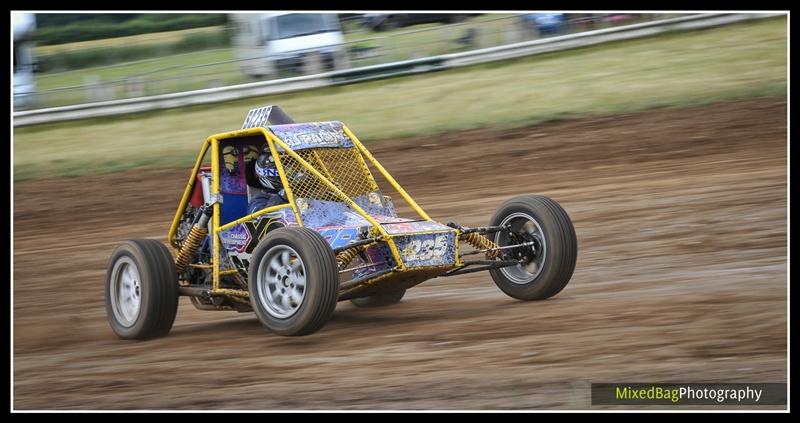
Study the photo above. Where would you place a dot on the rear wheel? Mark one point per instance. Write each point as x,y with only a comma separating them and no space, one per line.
293,281
141,290
381,299
549,262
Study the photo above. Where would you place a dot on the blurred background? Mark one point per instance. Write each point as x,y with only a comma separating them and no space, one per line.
63,59
664,136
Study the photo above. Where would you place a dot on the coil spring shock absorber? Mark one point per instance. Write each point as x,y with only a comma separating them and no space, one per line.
194,239
482,243
345,257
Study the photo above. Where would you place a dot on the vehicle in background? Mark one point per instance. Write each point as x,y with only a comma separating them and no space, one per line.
278,44
545,24
24,66
387,21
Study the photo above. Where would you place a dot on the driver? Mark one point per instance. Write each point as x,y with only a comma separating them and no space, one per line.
271,192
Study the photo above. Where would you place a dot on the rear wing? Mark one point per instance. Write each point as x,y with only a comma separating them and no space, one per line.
264,116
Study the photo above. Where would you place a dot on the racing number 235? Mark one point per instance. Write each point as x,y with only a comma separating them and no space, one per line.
431,248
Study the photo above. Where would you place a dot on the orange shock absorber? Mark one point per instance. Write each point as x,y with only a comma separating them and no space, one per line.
345,257
482,243
193,240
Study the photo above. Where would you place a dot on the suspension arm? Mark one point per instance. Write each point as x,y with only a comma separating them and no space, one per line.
485,265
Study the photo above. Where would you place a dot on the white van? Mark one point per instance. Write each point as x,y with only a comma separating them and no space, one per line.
284,44
24,85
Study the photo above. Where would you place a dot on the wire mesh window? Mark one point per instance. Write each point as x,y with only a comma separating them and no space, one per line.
347,170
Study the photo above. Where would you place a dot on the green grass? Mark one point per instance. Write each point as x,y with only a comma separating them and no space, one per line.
731,62
151,38
172,66
173,71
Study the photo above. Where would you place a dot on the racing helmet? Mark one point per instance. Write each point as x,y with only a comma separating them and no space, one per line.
267,172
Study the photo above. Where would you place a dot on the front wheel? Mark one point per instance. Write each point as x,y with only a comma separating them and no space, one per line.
293,281
141,290
548,261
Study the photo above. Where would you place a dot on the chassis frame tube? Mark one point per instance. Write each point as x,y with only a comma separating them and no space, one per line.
187,192
485,265
385,173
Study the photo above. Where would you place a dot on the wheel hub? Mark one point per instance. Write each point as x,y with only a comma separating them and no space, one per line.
523,228
281,281
126,292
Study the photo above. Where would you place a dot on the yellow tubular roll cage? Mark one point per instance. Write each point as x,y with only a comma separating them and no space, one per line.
274,143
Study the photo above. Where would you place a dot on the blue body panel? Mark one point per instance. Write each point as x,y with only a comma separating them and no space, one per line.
299,136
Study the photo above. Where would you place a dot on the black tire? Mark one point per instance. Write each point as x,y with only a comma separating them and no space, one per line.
320,277
381,299
156,287
558,256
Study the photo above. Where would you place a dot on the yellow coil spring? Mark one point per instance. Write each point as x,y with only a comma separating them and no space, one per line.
190,246
345,257
482,243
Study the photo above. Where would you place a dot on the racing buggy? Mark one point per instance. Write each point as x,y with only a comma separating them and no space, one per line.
336,237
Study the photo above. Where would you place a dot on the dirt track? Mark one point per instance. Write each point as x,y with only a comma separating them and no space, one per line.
681,277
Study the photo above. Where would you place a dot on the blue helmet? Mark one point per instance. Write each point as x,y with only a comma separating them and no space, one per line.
267,172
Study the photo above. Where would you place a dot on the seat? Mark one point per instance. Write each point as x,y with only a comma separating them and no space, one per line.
234,180
237,176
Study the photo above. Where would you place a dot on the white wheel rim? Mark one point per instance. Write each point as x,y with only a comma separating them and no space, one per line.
126,292
523,274
281,282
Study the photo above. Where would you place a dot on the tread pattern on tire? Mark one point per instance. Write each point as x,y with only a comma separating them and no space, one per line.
160,302
330,294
